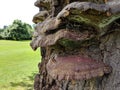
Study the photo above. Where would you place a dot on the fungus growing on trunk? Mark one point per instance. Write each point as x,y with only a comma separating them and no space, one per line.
43,3
92,14
76,68
40,17
109,6
47,25
51,39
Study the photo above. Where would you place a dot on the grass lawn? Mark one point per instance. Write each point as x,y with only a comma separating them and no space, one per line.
18,65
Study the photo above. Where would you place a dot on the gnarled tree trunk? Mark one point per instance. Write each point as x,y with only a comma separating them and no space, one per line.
80,44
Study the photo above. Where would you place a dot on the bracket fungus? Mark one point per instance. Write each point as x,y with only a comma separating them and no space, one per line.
84,12
40,17
52,39
54,31
47,25
76,68
43,4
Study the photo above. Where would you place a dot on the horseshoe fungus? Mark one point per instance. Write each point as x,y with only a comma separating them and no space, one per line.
79,25
76,68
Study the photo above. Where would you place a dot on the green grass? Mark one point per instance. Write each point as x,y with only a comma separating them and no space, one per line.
18,65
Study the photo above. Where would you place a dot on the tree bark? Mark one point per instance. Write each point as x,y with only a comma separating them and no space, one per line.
103,47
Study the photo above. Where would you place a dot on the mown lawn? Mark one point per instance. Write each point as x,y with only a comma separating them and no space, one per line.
18,65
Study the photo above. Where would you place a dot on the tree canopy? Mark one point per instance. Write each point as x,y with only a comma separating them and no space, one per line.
17,31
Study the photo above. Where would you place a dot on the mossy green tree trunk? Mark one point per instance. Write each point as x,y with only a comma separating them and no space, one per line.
98,38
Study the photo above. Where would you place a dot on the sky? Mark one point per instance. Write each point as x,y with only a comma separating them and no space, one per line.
17,9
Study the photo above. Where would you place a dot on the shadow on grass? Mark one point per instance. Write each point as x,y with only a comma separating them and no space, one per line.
26,83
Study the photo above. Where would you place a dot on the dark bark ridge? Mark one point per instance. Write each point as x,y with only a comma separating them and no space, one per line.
79,45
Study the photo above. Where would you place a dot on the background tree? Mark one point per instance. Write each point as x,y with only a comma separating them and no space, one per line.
17,31
1,30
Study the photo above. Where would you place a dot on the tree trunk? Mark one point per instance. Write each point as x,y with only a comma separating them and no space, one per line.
80,44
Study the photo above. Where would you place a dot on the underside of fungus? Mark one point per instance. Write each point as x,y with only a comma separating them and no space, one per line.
79,25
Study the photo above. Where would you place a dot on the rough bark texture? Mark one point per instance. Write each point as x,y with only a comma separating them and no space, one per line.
90,29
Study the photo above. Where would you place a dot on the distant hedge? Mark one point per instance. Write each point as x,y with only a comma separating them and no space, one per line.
17,31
